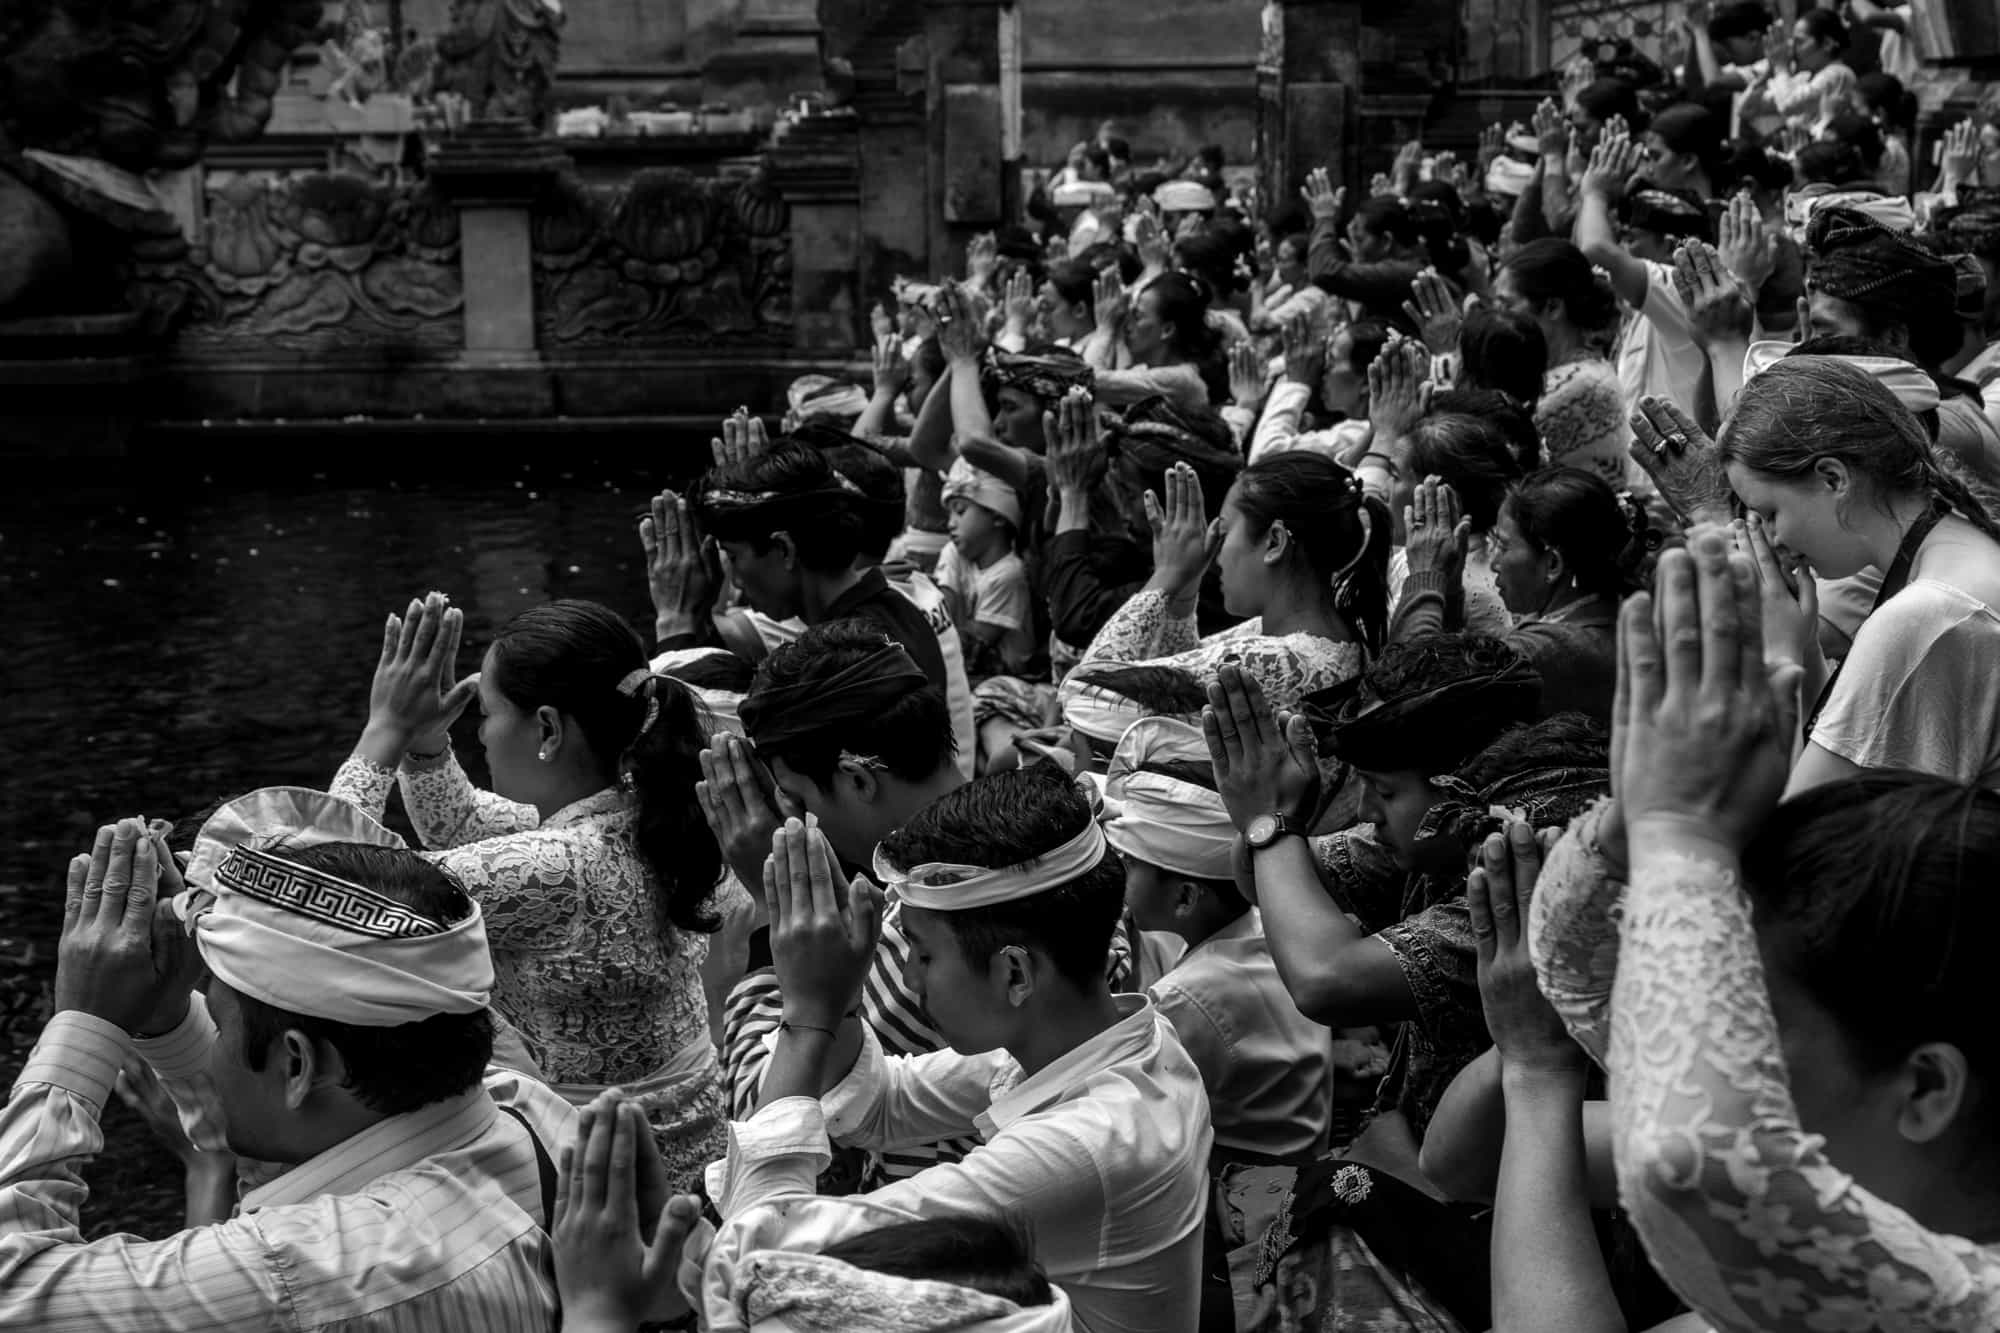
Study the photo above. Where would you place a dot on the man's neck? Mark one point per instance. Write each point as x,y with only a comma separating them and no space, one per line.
823,590
1208,922
1067,1019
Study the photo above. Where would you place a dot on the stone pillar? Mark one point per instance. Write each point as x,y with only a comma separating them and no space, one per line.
967,148
493,172
815,165
1309,92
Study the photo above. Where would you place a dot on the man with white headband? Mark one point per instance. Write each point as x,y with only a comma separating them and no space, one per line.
340,1051
1265,1064
1093,1120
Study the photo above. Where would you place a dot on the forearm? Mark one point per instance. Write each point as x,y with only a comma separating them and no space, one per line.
969,417
1322,956
1555,192
809,1061
930,434
1548,1270
878,416
1725,374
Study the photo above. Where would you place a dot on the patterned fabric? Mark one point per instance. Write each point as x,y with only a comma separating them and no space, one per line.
581,966
1582,418
1288,667
1855,258
1748,1221
320,896
425,1221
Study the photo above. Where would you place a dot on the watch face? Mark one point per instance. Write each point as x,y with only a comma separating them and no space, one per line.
1263,831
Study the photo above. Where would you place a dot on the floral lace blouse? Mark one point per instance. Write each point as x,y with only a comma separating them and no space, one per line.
579,966
1582,418
1738,1205
1288,666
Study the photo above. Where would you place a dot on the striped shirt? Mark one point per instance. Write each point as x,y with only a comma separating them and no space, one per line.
421,1222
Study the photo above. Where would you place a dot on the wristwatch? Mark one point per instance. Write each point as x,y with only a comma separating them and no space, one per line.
1266,830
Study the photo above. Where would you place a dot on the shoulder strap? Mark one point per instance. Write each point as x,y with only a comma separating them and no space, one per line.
544,1164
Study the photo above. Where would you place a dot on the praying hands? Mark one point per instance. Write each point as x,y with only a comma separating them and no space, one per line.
415,699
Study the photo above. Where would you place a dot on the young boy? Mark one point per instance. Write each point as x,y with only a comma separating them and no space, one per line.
982,577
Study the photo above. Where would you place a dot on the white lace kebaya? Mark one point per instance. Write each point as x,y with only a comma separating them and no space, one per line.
1738,1206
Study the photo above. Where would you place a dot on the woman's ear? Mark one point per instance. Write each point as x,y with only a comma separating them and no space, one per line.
788,550
1555,567
1832,473
1277,541
549,725
1937,1082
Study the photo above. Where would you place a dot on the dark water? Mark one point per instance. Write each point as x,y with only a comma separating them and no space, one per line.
186,628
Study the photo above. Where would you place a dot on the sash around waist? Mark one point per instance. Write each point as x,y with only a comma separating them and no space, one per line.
684,1071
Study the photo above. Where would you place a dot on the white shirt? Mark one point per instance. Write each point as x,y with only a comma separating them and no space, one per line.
1267,1067
423,1221
1658,353
1104,1153
1278,427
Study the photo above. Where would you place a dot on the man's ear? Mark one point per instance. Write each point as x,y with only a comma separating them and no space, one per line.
788,550
859,778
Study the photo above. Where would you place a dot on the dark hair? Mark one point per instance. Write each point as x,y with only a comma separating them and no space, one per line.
1503,350
1577,515
1691,129
1210,254
1552,270
1097,157
1438,217
912,737
1322,506
1365,340
1568,739
1471,453
1386,215
883,495
1074,281
1886,876
1885,92
1754,165
1846,344
1863,134
1183,306
1513,420
1118,148
1823,25
1831,162
402,1068
1161,690
986,1254
1414,667
717,669
1299,241
1806,408
572,656
827,533
1745,19
1005,819
1602,99
181,837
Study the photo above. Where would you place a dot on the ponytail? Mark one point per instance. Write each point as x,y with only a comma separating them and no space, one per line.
662,766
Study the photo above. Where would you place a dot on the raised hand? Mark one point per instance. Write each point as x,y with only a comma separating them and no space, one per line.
1524,1025
1551,130
1396,397
1707,728
1749,249
1613,163
1408,167
1682,461
1492,147
1305,351
1108,302
414,697
1266,763
1778,47
1076,459
1321,199
683,568
1184,540
1381,184
957,327
892,371
1149,239
1436,536
1789,597
1451,171
741,803
1247,375
982,256
823,932
1434,309
106,964
1719,309
615,1269
1018,303
742,439
880,322
1958,155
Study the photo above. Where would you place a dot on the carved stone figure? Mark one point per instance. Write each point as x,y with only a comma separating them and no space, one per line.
500,56
99,101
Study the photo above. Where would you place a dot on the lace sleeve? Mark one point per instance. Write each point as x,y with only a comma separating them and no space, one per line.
364,783
448,811
1142,629
1738,1206
530,886
1573,931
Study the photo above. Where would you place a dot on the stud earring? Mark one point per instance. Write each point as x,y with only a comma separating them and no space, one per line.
543,756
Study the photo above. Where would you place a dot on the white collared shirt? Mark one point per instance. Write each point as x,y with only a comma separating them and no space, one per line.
425,1221
1104,1153
1267,1067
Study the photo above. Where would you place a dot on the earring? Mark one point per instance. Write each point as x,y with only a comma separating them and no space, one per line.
543,755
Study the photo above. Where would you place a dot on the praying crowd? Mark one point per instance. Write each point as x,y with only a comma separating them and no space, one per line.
1417,756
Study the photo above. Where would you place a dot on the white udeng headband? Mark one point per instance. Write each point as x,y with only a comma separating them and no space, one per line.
941,886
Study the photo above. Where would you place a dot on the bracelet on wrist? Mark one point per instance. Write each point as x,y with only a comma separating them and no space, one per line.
787,1025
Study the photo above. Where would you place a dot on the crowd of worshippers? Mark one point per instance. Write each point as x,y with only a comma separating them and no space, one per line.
1410,762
